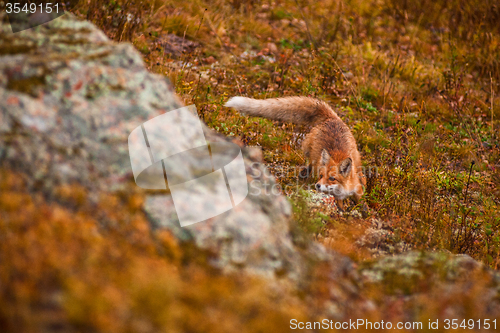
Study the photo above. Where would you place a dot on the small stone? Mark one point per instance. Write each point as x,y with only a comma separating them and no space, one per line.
348,75
285,22
210,60
272,47
254,154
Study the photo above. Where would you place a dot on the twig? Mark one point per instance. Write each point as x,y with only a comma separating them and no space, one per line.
307,26
465,214
468,180
491,107
237,82
227,48
199,26
349,82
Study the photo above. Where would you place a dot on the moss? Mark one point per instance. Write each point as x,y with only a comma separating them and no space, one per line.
68,31
79,41
97,55
28,85
12,46
13,49
97,89
420,277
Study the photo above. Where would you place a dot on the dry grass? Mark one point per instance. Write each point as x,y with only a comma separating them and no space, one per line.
417,81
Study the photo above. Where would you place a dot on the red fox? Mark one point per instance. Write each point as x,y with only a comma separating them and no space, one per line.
330,146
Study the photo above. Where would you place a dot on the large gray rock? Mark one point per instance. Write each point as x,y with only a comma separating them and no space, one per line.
70,97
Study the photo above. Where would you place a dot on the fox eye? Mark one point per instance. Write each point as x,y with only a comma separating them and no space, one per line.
331,179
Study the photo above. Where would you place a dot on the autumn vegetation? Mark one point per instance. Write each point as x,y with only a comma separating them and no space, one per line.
416,81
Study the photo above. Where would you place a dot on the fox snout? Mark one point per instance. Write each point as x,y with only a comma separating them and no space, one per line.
325,188
336,190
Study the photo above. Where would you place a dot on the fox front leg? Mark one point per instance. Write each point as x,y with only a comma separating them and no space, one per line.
340,204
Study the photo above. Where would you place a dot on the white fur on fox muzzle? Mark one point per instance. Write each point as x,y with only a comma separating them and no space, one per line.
336,190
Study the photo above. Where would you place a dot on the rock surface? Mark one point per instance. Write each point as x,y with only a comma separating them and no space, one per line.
461,286
70,98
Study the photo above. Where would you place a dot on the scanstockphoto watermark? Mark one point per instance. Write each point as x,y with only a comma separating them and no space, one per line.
292,180
170,152
364,324
327,324
27,14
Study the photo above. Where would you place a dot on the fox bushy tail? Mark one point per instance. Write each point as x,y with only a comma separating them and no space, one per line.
296,110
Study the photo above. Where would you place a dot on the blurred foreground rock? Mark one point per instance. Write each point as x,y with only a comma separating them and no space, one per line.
457,285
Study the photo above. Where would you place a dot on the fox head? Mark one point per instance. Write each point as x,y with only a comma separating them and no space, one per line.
336,176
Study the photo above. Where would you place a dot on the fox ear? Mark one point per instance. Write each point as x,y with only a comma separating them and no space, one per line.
325,157
345,166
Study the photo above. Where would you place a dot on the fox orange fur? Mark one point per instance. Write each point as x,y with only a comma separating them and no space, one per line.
330,146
